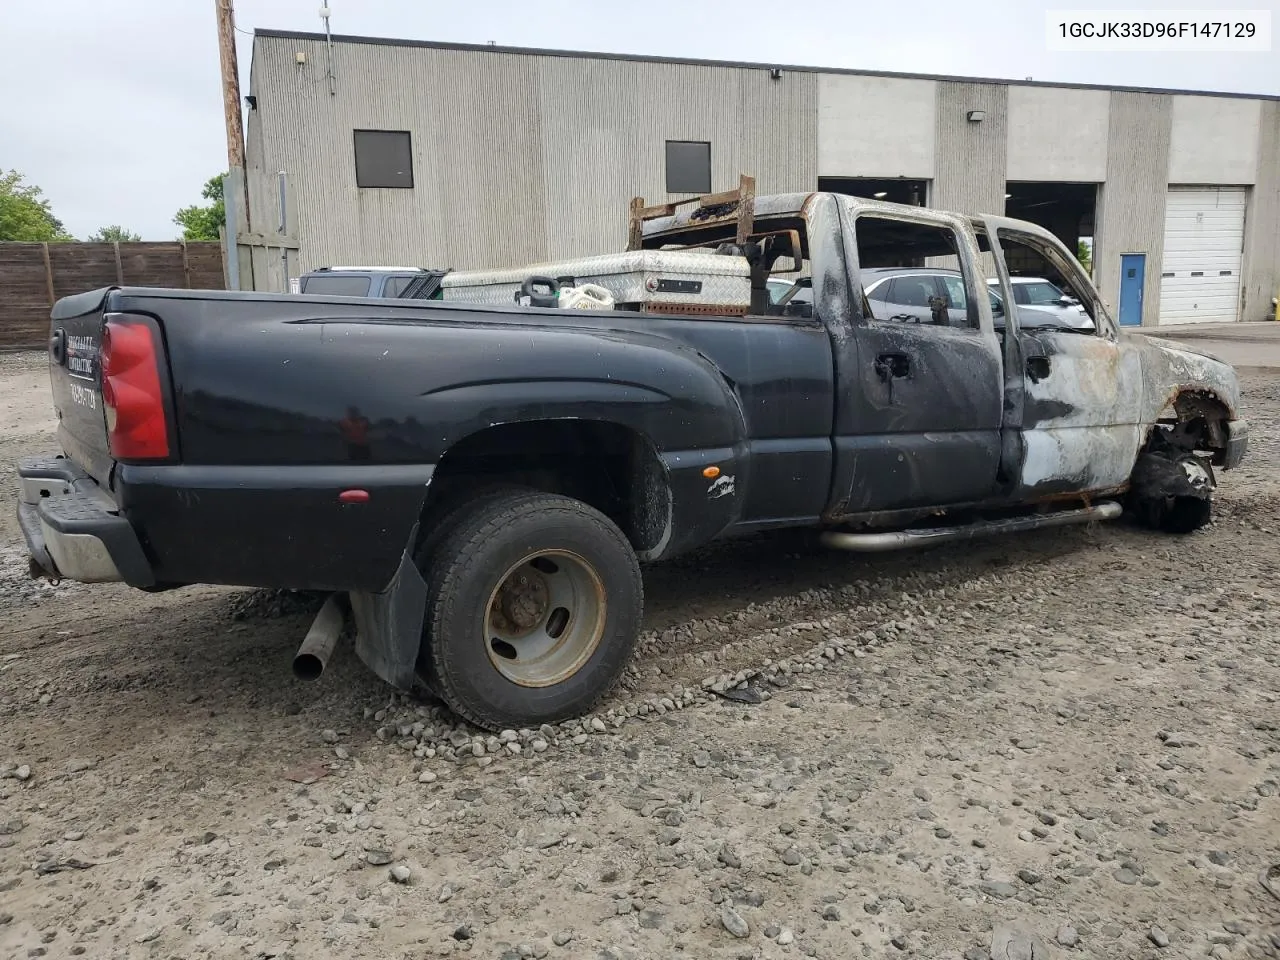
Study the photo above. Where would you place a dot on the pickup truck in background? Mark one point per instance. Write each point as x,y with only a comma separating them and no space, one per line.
414,283
483,481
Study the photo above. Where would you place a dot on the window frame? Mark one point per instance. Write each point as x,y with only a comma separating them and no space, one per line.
853,211
1076,279
355,156
667,165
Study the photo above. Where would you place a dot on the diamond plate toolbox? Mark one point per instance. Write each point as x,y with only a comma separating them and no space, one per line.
653,280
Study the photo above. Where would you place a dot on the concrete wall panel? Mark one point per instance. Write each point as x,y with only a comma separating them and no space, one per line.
1214,141
876,127
1057,134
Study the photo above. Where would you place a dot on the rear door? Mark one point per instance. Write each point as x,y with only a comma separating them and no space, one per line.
921,426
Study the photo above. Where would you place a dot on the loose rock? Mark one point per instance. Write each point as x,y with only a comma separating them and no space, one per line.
734,923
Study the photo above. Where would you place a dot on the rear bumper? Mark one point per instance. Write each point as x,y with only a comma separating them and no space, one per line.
74,529
1237,443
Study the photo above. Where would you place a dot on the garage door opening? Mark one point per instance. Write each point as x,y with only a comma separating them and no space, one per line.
1066,210
914,193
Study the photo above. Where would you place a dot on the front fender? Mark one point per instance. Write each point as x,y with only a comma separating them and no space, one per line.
1170,369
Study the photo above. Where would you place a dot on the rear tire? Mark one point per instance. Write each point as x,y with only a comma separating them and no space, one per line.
444,519
533,608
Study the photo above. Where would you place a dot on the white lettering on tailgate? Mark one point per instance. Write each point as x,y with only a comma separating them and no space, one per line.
84,396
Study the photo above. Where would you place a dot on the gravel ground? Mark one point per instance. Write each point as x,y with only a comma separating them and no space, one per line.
1060,744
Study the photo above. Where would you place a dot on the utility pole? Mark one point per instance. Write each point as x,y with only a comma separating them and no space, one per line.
236,199
230,83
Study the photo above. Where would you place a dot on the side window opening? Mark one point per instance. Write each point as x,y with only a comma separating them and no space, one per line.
917,273
1046,295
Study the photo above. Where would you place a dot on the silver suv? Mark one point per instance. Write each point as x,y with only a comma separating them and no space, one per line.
919,294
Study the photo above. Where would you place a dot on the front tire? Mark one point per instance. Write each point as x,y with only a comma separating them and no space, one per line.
1186,514
1177,515
533,608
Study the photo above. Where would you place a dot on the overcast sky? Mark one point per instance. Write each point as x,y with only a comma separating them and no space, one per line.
114,107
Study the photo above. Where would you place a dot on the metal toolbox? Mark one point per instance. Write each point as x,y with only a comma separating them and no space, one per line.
655,281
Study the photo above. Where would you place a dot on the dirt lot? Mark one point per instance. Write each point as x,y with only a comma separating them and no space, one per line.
1063,744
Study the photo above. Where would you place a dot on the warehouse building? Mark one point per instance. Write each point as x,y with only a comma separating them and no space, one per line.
465,156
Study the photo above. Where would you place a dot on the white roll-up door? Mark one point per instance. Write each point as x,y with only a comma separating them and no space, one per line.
1203,249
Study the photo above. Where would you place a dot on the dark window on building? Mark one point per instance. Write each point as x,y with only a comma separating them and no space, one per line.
688,166
384,158
338,286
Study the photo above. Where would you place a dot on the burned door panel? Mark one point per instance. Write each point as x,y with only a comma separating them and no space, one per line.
1081,406
1081,421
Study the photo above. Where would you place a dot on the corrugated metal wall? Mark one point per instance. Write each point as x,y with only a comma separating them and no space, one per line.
516,157
523,157
972,155
1130,215
1262,222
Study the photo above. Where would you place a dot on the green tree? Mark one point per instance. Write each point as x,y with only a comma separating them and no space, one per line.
202,223
1084,253
113,234
25,214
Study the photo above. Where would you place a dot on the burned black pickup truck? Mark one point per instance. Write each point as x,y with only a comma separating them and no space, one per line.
482,479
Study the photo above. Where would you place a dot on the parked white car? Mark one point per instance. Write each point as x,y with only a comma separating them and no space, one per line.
1041,303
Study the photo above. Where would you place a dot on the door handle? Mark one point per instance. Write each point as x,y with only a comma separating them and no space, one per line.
893,366
1038,368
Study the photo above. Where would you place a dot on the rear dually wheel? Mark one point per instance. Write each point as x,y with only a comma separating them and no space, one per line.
533,608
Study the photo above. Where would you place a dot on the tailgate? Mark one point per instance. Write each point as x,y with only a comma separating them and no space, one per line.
75,374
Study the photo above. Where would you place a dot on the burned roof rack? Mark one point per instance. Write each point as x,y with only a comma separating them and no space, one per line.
732,204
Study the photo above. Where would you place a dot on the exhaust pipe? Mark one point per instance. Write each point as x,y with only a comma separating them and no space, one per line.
309,662
901,539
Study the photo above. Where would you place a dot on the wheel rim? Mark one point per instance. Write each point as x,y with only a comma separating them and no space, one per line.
545,618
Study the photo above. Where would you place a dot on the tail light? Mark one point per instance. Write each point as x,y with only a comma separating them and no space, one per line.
132,397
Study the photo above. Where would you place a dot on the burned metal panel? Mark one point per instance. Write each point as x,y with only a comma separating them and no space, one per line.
1130,214
971,154
1171,369
1081,423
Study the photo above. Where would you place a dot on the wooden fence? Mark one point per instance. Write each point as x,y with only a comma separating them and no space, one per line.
34,275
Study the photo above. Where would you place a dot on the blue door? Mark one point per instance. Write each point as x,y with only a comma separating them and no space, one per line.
1133,273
